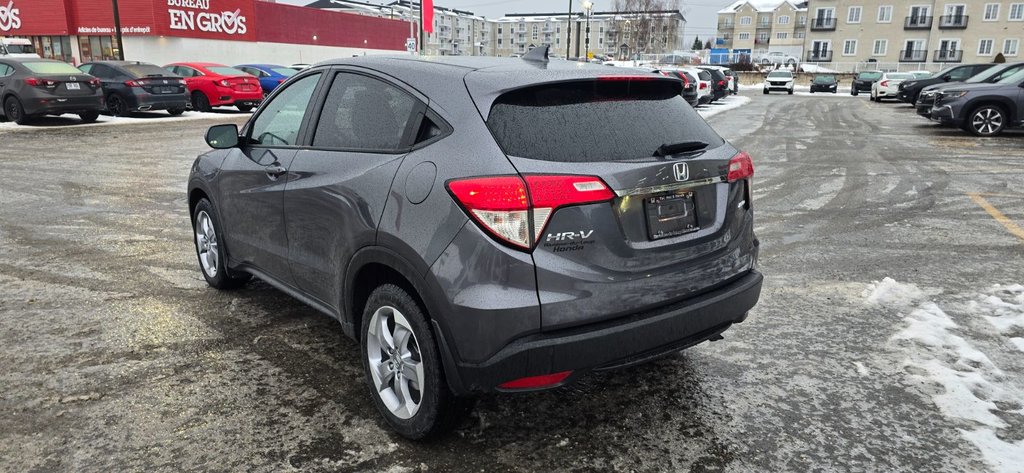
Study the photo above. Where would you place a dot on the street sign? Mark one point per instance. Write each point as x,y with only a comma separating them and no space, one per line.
410,44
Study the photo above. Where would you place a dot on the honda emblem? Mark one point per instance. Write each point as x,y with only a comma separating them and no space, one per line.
681,171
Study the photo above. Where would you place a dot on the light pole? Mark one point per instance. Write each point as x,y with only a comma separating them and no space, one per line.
117,31
568,31
588,5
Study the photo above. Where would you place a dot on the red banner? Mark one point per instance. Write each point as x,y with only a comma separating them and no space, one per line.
33,17
427,14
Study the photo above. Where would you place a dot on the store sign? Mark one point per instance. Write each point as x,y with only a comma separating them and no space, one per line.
195,15
10,17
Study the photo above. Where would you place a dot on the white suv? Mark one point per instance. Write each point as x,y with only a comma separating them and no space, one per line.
779,80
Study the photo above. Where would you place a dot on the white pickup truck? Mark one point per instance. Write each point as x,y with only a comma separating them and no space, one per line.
17,47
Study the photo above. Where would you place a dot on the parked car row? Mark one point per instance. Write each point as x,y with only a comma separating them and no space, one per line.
983,99
704,84
31,87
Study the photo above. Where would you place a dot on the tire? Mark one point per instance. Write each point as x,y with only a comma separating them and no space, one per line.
244,108
854,92
790,91
986,120
89,117
200,102
392,311
210,252
15,112
117,106
175,111
812,91
765,91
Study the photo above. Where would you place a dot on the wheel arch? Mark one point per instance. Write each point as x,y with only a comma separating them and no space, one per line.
1002,102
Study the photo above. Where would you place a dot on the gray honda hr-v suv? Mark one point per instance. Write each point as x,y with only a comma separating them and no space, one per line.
483,224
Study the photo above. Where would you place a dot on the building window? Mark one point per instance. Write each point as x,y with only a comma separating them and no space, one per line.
744,36
991,12
746,20
499,29
784,20
801,20
781,35
97,48
1016,12
880,47
534,33
985,47
850,47
885,14
1010,47
799,34
54,47
854,15
499,41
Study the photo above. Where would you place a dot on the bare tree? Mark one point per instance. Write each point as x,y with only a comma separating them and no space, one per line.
646,26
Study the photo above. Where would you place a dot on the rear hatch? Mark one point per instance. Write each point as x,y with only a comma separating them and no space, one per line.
155,80
673,226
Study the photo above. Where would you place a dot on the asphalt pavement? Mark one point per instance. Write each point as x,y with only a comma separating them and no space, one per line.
888,336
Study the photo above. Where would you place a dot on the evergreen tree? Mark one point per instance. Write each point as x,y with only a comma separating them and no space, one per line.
707,45
697,44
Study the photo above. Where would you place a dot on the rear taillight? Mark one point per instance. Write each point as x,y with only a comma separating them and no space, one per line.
686,82
703,85
132,83
34,82
721,82
740,167
516,210
224,83
280,81
626,78
884,83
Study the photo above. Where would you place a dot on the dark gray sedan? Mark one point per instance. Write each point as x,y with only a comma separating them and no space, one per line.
31,88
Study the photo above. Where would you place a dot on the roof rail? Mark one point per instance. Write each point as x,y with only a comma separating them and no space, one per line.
538,54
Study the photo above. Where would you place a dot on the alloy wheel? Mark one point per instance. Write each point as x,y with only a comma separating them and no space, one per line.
395,361
206,244
987,121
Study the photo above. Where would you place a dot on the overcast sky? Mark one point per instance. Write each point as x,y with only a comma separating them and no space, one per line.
700,15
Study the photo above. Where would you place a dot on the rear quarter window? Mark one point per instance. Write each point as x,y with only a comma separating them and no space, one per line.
592,121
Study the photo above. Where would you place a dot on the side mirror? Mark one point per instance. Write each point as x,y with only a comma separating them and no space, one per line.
946,77
222,136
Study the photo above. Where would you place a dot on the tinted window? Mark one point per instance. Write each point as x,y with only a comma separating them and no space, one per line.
591,121
86,68
225,71
364,113
144,70
101,71
40,67
279,122
961,74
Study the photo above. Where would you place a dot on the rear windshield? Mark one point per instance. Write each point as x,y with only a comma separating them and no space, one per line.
900,75
284,71
47,67
869,75
590,121
922,75
226,71
147,70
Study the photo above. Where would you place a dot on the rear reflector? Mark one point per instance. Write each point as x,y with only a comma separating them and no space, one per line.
502,205
740,167
536,382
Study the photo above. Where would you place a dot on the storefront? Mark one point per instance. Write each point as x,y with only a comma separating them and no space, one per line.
227,31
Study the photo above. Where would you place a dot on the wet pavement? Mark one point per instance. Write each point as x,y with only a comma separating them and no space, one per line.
115,356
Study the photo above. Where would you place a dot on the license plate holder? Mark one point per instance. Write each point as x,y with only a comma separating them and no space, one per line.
671,215
73,86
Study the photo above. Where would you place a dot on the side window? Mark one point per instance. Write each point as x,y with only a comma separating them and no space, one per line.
279,122
364,113
961,74
102,72
86,68
6,70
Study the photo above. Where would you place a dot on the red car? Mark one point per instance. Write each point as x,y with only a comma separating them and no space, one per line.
216,85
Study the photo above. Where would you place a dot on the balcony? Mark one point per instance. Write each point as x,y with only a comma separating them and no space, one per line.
819,56
953,22
917,23
726,26
764,25
949,55
913,55
823,24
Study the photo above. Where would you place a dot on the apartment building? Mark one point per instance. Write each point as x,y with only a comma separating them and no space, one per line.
913,31
613,34
759,26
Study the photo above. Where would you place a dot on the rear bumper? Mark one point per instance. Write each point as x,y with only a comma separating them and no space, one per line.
230,98
619,342
59,105
161,102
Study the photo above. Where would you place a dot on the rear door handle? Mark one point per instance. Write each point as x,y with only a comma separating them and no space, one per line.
275,171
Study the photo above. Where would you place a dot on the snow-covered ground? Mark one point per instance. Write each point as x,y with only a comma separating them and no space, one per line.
952,357
806,90
106,120
722,105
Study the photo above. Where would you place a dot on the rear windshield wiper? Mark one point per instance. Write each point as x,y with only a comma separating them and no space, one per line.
676,148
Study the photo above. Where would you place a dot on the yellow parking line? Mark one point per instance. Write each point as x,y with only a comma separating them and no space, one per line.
1011,196
996,214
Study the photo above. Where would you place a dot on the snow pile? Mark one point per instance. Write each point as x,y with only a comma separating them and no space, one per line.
725,104
972,389
888,292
